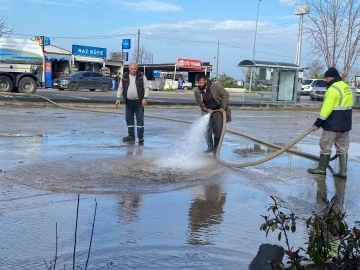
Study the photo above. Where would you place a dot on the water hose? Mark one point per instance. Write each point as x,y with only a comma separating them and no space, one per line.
281,148
257,162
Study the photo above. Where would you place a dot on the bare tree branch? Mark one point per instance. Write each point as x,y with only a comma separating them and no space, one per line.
145,56
316,69
333,29
5,31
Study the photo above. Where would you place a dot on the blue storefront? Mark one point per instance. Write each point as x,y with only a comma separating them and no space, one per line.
87,58
57,63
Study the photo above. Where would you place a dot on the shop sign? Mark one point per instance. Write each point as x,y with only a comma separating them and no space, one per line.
88,59
126,44
118,56
189,63
89,51
47,67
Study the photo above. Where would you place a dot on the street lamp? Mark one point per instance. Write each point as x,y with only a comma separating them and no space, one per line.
253,57
300,10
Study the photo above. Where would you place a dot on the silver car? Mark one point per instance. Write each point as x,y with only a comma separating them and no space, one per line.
83,80
318,91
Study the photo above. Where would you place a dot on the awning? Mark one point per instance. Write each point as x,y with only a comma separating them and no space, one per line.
88,59
267,64
59,57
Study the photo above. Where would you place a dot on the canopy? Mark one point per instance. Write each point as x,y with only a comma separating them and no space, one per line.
59,57
267,64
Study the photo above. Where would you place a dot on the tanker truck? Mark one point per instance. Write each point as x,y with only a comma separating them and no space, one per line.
21,65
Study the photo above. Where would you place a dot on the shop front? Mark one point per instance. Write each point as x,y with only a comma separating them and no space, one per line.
88,58
57,63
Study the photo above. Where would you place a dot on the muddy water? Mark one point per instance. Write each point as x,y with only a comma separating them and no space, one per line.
206,219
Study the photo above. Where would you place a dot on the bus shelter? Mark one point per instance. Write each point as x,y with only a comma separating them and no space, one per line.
283,78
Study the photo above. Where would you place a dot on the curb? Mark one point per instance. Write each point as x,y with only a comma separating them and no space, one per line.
37,102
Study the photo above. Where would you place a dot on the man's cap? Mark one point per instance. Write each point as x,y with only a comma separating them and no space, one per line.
331,73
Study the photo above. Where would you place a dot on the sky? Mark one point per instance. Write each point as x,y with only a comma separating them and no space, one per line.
169,28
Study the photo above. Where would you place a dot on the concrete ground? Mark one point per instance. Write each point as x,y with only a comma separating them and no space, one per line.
164,205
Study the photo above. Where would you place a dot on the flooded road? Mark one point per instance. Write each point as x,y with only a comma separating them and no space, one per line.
157,209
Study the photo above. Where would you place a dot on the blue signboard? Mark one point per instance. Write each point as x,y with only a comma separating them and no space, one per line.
88,51
157,73
126,44
46,41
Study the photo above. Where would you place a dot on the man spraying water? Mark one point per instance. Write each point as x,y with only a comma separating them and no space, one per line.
214,99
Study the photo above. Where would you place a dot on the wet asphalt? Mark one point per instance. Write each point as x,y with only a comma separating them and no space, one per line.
188,213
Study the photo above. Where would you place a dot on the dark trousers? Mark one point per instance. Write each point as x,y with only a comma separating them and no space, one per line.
214,127
134,107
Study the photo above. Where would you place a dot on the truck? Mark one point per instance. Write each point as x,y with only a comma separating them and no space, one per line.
21,65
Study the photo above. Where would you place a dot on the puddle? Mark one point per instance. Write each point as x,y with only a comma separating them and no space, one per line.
189,214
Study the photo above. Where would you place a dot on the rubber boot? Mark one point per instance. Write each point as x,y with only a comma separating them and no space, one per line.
216,143
323,163
210,149
210,144
343,166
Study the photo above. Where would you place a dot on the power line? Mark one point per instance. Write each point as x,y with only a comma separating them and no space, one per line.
274,54
213,42
81,37
214,30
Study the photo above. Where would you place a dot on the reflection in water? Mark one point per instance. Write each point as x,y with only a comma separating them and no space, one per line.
129,207
204,213
322,191
129,203
255,149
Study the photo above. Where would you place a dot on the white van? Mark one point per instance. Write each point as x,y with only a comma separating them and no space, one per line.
308,85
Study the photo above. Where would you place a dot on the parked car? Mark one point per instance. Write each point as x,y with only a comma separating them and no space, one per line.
319,89
83,80
307,86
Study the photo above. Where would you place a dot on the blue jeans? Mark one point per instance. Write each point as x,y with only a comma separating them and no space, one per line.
134,107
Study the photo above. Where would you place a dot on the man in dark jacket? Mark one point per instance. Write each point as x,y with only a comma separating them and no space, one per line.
336,120
212,97
134,89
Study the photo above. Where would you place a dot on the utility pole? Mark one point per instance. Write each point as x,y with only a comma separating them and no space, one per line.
253,57
217,60
138,48
300,10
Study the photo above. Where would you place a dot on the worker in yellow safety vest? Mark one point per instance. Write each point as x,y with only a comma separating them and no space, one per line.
336,120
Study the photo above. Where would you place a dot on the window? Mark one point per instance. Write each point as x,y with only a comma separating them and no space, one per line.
320,83
96,75
86,74
307,82
76,74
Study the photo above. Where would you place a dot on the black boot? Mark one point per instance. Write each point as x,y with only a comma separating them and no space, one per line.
216,143
323,163
210,149
210,143
343,166
129,139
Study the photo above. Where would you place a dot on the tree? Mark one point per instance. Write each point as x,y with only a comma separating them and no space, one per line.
315,70
225,80
145,56
333,30
5,31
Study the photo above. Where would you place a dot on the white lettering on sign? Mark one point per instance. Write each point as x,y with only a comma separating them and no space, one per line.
188,63
91,51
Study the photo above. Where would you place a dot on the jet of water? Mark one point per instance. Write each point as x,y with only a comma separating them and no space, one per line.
188,152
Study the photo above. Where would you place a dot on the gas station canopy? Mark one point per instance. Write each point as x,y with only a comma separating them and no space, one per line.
267,64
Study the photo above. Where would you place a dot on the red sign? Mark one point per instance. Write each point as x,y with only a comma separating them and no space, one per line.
48,67
189,63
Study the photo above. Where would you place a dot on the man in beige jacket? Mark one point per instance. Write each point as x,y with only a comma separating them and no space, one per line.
212,97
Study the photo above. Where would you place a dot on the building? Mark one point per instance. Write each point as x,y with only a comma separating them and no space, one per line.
57,63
